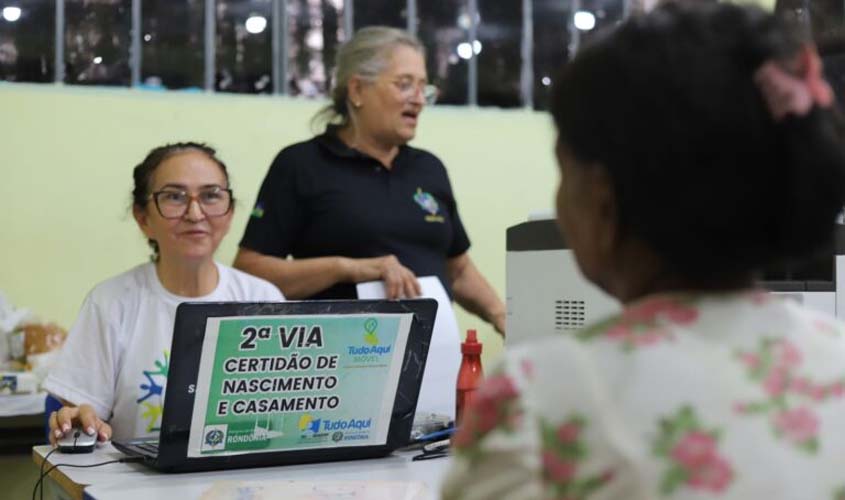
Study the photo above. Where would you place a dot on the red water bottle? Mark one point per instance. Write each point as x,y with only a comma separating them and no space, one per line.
469,375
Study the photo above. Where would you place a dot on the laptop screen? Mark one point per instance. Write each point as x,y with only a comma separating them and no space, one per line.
294,379
269,383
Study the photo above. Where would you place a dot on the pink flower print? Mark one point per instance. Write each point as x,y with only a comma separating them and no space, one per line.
649,310
800,385
714,475
775,383
760,297
694,449
644,312
625,334
464,437
568,432
787,355
818,392
751,360
837,389
527,368
556,469
620,332
486,410
799,425
740,407
650,337
825,327
514,420
495,390
682,315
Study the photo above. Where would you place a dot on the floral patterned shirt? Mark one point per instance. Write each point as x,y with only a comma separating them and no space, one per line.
734,396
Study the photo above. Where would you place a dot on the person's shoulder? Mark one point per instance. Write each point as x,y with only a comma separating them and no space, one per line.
424,157
551,346
247,287
295,156
808,323
127,285
547,358
301,149
306,146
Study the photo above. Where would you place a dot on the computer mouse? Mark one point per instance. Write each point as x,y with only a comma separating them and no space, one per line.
77,441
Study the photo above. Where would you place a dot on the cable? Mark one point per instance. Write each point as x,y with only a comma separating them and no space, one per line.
42,474
80,466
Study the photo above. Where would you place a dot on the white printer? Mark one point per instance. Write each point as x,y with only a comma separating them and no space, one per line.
547,294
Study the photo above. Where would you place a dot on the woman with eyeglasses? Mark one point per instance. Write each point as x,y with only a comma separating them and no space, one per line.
357,203
112,372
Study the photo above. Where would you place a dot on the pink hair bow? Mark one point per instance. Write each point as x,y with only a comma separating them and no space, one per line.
794,86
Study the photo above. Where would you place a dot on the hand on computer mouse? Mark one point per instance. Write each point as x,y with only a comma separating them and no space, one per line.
76,441
84,417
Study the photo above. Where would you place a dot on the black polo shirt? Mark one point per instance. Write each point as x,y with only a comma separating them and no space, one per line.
322,198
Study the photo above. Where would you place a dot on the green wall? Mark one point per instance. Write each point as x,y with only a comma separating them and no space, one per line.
67,154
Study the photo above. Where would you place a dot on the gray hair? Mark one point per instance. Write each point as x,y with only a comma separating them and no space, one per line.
365,55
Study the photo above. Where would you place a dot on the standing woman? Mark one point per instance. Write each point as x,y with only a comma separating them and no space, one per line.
112,371
357,204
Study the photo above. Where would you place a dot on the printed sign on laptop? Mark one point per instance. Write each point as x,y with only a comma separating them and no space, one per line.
273,383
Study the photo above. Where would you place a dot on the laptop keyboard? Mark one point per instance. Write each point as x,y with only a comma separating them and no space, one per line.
148,447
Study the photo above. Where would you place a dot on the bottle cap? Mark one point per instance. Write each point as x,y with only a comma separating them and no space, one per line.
471,345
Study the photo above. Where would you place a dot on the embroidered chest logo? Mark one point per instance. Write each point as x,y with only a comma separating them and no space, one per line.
429,204
258,211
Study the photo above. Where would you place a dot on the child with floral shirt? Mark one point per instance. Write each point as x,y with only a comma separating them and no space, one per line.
698,145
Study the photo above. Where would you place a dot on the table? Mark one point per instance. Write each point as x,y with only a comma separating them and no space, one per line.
131,481
13,405
21,422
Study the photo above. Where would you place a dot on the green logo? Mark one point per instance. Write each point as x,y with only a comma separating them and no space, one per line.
258,211
370,327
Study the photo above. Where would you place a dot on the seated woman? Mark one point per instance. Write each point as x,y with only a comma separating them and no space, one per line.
112,371
698,144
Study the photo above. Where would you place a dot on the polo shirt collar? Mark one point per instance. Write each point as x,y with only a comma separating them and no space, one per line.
332,143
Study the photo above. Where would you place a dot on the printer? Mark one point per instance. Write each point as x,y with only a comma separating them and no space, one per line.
545,291
547,294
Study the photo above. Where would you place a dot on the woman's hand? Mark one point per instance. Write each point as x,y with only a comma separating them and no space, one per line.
399,281
83,416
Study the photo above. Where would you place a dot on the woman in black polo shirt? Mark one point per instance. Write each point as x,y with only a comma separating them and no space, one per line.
356,203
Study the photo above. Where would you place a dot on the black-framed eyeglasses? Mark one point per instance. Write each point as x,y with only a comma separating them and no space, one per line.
174,203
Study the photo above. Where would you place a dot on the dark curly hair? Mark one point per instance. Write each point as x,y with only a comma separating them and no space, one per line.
666,103
143,174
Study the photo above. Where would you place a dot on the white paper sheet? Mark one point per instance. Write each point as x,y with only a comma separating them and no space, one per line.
437,394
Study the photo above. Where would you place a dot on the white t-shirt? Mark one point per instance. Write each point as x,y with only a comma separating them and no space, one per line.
117,354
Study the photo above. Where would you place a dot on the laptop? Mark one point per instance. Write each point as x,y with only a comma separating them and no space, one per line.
261,384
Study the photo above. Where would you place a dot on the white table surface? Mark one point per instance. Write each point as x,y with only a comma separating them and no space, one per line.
130,481
13,405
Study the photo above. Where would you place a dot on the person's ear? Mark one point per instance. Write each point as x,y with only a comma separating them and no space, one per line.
354,90
142,218
604,210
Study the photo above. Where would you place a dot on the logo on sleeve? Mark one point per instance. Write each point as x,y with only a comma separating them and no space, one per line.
258,211
429,204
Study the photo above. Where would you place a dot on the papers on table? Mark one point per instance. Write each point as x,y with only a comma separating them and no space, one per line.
437,394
